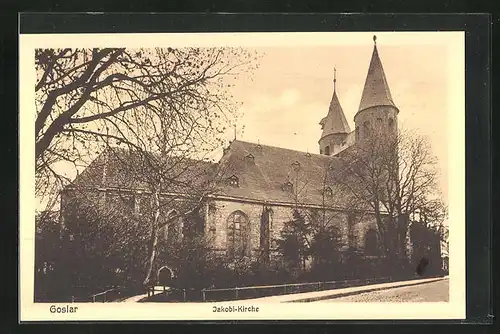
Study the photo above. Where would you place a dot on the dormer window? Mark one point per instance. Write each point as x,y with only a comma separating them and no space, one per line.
308,154
250,158
233,181
288,186
296,166
328,192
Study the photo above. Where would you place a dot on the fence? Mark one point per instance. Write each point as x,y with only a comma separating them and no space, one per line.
163,290
110,295
283,289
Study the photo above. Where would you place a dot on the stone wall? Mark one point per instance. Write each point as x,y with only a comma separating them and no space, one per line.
218,211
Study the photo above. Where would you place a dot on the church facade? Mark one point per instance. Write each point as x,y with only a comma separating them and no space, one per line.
273,181
263,185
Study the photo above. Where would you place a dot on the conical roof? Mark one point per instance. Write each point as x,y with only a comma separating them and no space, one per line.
376,91
335,121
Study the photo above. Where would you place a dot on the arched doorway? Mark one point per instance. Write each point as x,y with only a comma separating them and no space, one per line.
165,276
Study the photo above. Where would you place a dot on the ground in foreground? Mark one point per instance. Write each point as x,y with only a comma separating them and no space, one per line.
421,293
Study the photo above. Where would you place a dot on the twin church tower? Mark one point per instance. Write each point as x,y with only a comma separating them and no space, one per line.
376,111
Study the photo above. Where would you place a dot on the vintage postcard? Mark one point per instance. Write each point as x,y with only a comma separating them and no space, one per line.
252,176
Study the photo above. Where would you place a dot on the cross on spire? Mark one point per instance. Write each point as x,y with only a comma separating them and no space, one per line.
375,39
334,78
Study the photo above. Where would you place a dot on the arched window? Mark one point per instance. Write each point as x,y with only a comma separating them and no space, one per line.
327,150
371,242
237,234
366,128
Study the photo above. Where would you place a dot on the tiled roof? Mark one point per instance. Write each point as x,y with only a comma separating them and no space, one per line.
124,169
263,177
335,121
376,91
262,172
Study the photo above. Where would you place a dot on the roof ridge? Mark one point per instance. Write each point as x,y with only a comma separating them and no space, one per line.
281,148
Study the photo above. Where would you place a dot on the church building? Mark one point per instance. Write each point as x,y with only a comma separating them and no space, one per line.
263,185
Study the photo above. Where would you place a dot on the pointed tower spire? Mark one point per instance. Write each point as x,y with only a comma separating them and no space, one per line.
376,91
335,122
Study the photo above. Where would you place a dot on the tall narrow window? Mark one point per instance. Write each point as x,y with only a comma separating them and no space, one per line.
265,222
357,133
327,150
366,128
380,124
237,234
391,124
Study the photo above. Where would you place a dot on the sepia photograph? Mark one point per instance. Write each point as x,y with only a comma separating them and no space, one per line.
214,176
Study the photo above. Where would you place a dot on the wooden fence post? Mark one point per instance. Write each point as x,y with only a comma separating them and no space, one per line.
236,293
203,295
184,294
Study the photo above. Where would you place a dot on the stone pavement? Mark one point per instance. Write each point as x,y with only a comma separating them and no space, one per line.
325,295
437,291
337,293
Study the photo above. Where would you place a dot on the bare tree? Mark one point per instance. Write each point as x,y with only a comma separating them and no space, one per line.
393,175
313,232
87,98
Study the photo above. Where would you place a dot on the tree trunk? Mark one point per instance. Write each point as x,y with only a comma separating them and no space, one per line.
154,238
381,230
